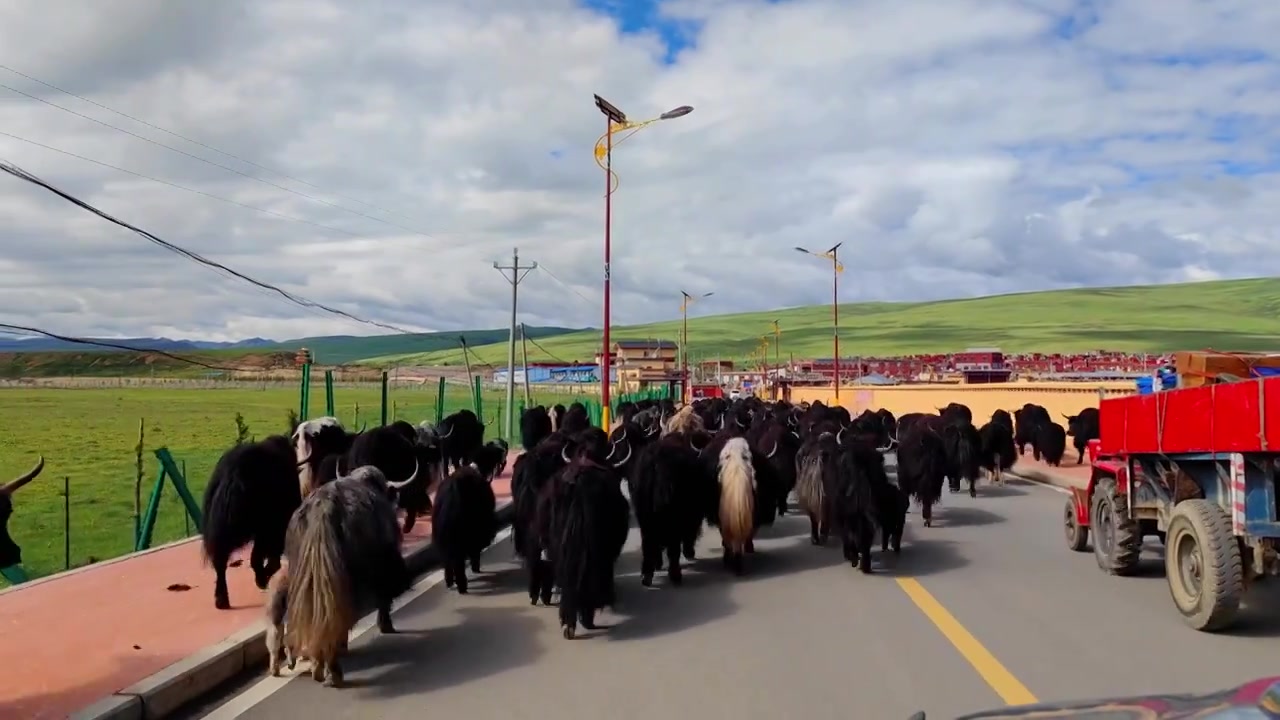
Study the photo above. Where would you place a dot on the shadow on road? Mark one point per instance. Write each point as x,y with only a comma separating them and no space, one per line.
957,516
998,491
422,658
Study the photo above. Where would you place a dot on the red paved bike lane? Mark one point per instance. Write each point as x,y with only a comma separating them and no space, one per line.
71,639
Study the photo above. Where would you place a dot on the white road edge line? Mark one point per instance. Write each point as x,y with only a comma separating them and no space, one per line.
268,686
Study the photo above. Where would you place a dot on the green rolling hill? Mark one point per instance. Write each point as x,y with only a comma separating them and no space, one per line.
1230,314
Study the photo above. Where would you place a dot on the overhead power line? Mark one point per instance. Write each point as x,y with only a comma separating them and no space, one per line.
193,141
117,346
228,168
296,299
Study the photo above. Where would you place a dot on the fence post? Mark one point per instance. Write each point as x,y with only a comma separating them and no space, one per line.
440,402
384,398
186,517
475,395
304,393
66,522
328,394
137,482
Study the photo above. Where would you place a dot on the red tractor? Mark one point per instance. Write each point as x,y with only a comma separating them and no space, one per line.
1195,467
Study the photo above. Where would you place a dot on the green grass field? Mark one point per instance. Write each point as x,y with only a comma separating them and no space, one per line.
1235,314
89,435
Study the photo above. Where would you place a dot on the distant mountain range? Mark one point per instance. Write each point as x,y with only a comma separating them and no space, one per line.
328,349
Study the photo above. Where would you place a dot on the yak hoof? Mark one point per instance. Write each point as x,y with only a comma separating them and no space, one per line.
222,603
973,492
533,601
676,578
475,566
646,580
569,632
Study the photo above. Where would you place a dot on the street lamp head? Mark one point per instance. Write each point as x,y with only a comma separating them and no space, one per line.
708,294
800,249
676,112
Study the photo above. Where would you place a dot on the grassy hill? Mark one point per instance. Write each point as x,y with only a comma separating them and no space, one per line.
55,358
1234,314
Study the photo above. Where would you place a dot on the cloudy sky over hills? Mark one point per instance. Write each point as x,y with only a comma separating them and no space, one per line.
956,147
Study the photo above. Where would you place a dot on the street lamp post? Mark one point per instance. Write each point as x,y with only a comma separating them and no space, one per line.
684,341
836,268
616,121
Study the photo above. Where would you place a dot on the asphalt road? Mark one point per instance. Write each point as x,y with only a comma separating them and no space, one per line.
987,606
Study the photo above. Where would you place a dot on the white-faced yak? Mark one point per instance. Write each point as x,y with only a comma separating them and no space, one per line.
250,496
588,520
313,441
668,498
463,523
343,549
10,553
737,507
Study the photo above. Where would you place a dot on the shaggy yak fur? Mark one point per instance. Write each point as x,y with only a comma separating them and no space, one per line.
668,501
814,462
586,520
463,523
575,419
1051,443
1027,421
998,451
737,507
535,426
461,435
964,455
10,553
922,465
250,496
396,456
685,421
343,547
778,446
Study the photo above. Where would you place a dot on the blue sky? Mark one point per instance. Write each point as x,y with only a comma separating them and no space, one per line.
641,16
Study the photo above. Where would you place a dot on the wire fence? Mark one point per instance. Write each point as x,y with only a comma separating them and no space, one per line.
101,443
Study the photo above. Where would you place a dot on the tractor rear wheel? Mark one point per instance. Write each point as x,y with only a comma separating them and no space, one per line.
1117,539
1077,536
1203,565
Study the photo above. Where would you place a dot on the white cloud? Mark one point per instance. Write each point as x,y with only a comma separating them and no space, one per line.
956,147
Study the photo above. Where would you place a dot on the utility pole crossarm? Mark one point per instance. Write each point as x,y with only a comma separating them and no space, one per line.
518,273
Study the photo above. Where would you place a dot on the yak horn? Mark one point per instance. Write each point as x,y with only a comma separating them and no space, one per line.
451,429
624,460
774,451
838,435
564,454
613,448
402,483
24,478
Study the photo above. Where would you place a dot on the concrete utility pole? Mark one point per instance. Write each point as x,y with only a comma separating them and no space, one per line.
518,273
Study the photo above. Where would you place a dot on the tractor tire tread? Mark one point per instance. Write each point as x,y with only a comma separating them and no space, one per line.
1222,580
1127,547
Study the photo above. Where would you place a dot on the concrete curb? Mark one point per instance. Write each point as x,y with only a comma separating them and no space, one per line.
165,692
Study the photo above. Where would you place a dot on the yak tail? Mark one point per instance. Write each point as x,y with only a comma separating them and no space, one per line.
809,487
737,495
321,608
225,500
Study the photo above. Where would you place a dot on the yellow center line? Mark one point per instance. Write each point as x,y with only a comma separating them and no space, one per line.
1008,687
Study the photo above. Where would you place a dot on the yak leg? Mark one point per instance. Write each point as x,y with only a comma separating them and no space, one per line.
317,670
750,545
410,517
535,578
865,534
1080,457
548,582
221,600
587,617
649,558
448,574
460,574
475,562
973,491
569,612
674,573
926,512
815,535
335,674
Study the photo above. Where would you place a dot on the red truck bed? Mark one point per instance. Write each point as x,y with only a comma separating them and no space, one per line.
1230,417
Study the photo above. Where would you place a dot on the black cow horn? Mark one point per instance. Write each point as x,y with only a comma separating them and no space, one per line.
613,447
564,454
402,483
23,479
452,426
624,460
838,435
772,452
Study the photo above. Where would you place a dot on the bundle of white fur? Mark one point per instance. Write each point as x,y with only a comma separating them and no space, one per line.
684,421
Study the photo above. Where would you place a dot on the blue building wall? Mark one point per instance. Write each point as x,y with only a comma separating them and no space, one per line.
564,374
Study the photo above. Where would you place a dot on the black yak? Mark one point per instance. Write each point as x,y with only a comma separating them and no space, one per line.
922,465
1081,429
1027,421
396,456
343,547
587,520
956,412
1051,443
461,435
778,446
1004,418
535,426
964,455
250,496
10,553
463,523
855,491
557,417
574,420
669,504
998,450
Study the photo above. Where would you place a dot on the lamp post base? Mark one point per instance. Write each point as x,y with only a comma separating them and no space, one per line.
604,418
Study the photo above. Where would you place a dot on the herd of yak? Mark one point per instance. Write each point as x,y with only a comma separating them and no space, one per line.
326,499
